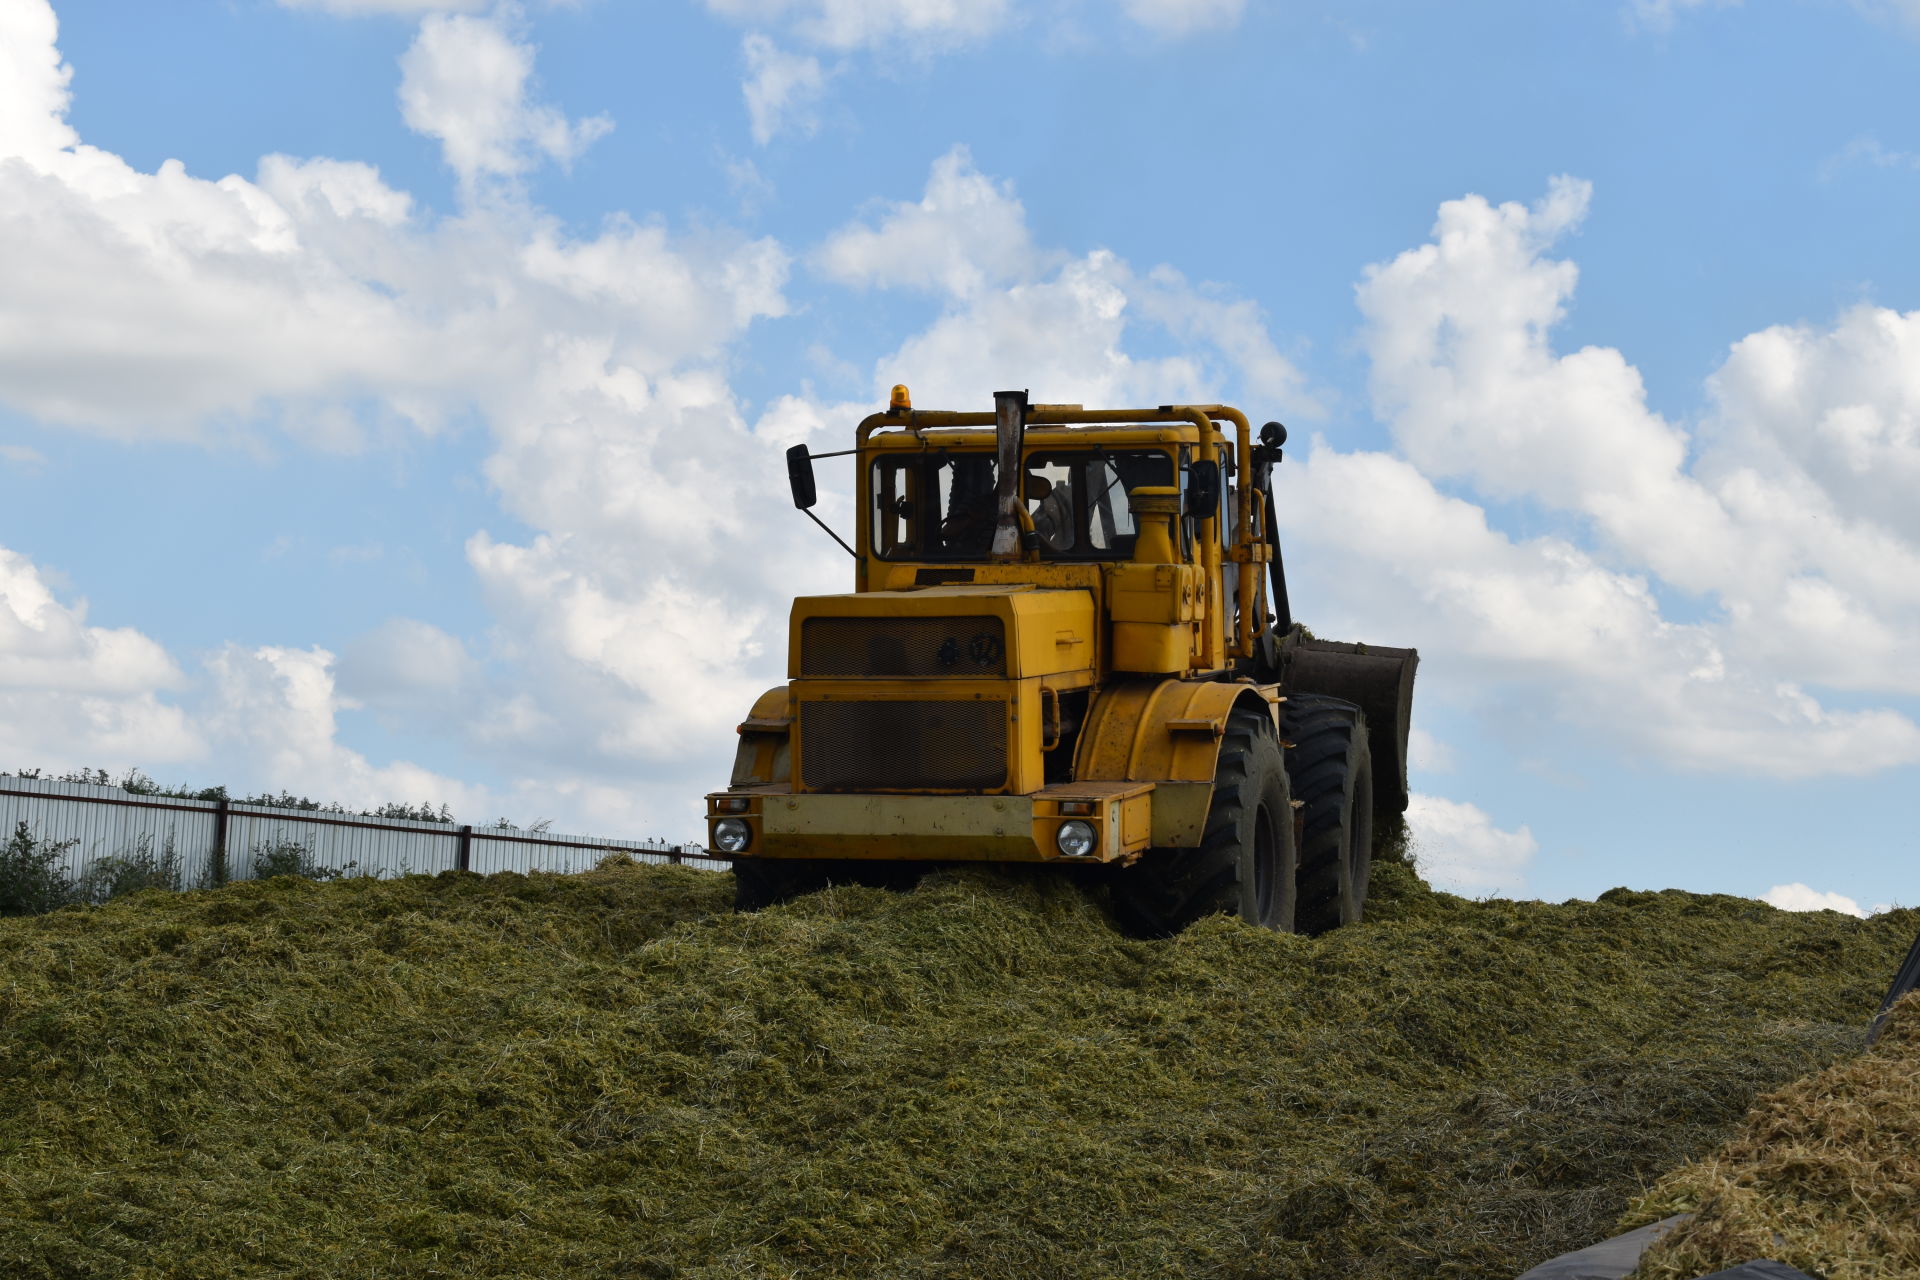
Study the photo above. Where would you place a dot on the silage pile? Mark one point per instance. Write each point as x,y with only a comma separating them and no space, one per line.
1823,1175
612,1075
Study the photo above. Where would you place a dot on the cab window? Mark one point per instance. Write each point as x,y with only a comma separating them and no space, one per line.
941,506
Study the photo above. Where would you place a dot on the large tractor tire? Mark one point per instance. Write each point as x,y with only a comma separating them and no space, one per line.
1374,678
1245,863
1330,768
766,882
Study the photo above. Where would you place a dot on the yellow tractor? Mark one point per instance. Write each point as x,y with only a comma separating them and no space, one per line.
1069,641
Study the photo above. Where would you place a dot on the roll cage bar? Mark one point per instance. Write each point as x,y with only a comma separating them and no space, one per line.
1247,548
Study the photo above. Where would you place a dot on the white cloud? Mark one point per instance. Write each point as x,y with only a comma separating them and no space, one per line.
164,303
1427,753
464,81
781,89
1057,324
1538,627
277,707
1180,17
1458,849
1907,11
1798,897
850,24
1659,14
1871,152
399,661
404,8
966,232
33,102
1805,545
73,694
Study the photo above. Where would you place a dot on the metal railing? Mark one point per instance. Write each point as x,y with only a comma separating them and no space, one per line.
205,842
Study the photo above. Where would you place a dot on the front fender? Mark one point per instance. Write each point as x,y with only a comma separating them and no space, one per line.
1168,733
765,753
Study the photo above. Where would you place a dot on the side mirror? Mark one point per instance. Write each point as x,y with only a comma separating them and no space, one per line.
800,476
1203,489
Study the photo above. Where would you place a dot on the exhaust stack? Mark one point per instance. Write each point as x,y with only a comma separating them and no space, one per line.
1010,428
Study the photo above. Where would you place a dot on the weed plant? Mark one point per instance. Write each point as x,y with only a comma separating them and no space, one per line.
134,870
33,873
283,857
612,1075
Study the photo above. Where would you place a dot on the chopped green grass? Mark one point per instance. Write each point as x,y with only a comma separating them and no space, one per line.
611,1075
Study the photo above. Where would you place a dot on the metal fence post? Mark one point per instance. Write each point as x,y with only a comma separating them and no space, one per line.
217,863
464,858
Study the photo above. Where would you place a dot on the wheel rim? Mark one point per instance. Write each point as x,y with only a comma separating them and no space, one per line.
1266,858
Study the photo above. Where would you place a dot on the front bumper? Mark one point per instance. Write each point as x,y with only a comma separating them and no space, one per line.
970,828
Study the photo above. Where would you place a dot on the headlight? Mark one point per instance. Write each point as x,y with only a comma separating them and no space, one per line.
731,835
1075,839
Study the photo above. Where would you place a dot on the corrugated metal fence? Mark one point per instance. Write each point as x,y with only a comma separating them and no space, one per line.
207,841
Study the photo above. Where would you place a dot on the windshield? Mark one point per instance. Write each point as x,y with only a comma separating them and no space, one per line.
940,506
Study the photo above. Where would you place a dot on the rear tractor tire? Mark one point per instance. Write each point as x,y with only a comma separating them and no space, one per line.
1331,769
1245,863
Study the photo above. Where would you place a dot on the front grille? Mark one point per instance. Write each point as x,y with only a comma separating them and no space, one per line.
903,746
965,646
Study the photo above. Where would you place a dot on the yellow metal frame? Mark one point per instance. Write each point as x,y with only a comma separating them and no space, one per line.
1148,745
939,428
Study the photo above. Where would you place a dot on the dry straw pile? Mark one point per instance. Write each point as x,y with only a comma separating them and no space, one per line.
1824,1175
611,1075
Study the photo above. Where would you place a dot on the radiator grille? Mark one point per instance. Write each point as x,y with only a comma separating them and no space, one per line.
903,746
964,646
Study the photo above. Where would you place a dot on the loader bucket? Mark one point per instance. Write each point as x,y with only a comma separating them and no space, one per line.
1378,680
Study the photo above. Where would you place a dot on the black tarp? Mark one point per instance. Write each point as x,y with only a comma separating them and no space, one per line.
1904,981
1608,1260
1613,1259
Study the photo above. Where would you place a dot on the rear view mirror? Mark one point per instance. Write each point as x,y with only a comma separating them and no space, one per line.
1203,489
800,476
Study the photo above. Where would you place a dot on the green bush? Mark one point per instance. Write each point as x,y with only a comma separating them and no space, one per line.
283,857
132,871
33,875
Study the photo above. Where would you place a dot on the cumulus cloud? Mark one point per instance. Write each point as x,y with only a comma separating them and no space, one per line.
850,24
1798,897
165,303
1539,629
278,705
965,232
464,81
781,89
400,660
33,106
71,693
1459,849
403,8
1061,324
1805,547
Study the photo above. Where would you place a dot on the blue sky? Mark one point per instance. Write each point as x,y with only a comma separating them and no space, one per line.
392,391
